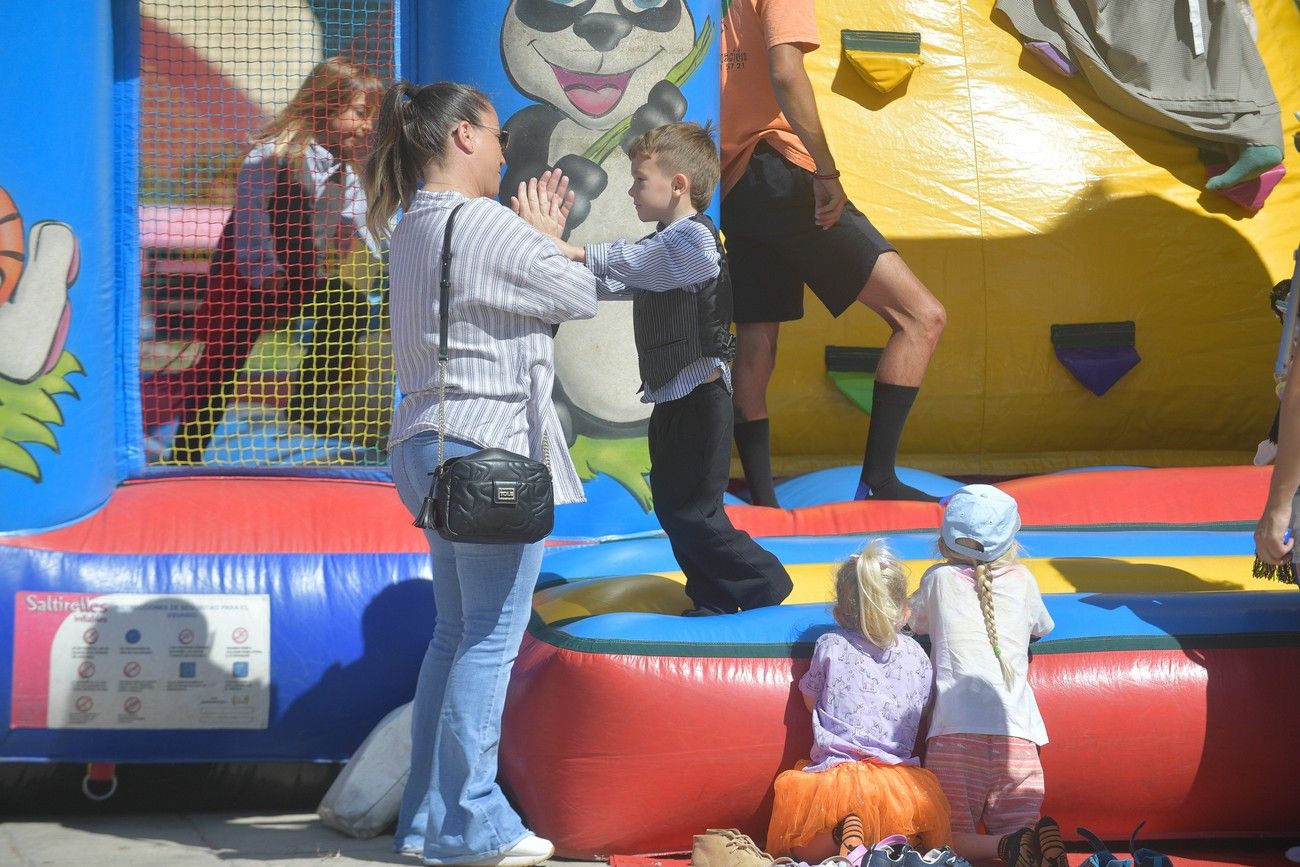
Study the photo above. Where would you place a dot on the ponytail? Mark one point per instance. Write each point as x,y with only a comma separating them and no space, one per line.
414,123
870,592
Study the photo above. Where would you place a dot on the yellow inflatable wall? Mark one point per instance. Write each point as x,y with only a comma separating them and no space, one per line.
1022,201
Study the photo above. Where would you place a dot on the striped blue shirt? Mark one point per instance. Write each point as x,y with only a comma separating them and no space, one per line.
682,255
509,285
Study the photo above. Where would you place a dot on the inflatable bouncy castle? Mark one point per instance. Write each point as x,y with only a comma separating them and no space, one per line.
266,599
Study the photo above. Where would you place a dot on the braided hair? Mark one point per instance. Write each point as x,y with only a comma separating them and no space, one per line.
984,590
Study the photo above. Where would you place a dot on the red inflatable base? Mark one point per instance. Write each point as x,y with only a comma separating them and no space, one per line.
1181,495
1252,854
617,753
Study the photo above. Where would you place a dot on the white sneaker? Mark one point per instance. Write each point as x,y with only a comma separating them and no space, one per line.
527,852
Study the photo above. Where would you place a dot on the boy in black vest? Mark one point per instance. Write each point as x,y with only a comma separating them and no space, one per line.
681,295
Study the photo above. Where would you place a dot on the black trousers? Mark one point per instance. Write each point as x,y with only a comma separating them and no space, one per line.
690,463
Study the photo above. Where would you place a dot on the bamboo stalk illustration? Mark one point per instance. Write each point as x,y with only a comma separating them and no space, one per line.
678,75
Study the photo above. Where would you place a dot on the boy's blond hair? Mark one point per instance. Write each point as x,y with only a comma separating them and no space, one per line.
683,148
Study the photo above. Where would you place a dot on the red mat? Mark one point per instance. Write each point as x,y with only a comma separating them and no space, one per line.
1184,855
670,859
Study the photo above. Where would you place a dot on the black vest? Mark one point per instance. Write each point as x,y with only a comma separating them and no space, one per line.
677,327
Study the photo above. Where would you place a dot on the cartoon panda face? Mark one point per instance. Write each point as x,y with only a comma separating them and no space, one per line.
594,60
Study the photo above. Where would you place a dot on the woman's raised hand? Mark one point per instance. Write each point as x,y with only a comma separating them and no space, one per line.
544,202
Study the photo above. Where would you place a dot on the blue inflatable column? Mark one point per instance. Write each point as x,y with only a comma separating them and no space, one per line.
60,383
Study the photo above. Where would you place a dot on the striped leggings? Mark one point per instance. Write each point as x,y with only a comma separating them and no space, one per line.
990,778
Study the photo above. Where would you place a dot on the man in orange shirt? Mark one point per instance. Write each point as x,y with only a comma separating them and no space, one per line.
788,222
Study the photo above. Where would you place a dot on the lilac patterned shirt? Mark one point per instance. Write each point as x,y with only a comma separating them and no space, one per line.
869,700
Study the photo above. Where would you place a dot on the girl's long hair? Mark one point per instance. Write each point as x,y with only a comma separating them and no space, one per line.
871,594
414,126
327,91
984,590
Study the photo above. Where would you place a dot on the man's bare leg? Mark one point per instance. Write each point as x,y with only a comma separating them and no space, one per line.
916,320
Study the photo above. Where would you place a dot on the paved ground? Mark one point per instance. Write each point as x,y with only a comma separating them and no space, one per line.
190,840
298,840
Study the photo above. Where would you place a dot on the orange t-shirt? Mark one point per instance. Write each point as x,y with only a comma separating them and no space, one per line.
750,112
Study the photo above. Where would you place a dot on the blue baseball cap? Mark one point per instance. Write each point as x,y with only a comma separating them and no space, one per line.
980,522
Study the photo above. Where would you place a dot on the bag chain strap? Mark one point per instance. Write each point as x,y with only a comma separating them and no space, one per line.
444,302
444,309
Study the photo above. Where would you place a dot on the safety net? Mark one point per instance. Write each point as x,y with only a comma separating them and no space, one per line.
264,339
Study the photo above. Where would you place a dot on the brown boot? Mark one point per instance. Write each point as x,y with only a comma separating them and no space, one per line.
727,847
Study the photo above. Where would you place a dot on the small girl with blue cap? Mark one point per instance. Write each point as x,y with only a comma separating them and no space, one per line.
981,608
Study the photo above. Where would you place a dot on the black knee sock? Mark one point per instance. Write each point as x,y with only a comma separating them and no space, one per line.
754,444
890,405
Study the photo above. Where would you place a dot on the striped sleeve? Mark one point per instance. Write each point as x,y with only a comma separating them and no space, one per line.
609,289
549,286
682,256
559,290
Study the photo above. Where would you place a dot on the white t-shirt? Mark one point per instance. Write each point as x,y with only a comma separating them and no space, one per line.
970,695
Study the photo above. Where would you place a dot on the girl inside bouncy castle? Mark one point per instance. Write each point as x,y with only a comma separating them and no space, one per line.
299,211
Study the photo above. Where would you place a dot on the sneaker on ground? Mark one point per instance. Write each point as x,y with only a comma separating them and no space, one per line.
527,852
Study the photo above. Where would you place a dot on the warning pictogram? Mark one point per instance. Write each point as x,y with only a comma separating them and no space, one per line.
139,661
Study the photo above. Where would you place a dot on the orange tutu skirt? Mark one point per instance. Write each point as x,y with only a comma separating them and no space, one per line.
890,799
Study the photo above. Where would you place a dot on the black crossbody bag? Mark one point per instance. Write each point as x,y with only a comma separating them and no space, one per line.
493,495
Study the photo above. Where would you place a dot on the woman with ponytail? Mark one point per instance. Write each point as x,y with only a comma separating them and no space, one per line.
438,152
981,608
866,688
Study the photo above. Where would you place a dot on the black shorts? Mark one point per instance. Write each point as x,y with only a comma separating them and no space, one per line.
774,247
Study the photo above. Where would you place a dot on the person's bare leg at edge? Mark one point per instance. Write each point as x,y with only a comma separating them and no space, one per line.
916,320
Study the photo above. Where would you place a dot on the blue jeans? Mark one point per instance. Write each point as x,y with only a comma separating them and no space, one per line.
452,809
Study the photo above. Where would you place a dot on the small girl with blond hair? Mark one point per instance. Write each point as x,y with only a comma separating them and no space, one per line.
981,608
866,687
